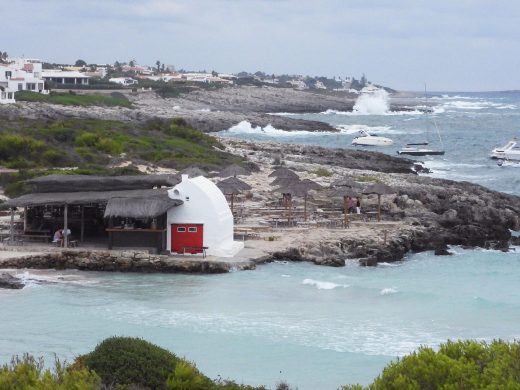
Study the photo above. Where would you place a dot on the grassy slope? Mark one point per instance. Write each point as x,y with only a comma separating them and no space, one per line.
70,99
39,147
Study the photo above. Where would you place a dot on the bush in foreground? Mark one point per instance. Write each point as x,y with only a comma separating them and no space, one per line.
29,373
457,365
128,361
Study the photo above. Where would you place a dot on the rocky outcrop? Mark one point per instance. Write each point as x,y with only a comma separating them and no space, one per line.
123,261
10,282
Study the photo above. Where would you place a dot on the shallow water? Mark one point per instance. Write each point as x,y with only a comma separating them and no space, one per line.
316,327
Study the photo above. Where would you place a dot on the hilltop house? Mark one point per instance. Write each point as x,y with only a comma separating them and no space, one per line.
21,74
125,81
67,78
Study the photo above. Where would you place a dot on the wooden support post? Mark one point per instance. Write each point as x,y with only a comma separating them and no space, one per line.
65,226
345,211
305,208
232,201
11,241
25,219
378,207
82,233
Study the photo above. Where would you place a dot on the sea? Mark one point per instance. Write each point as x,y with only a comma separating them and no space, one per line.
310,326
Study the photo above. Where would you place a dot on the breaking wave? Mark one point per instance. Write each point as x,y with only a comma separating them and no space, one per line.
388,291
323,285
372,103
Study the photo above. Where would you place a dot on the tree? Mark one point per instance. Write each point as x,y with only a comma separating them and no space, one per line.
158,63
131,63
80,63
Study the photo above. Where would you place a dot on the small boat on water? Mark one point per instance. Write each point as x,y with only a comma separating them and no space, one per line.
421,148
510,151
367,139
413,150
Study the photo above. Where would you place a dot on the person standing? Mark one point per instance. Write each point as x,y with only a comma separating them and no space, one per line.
358,205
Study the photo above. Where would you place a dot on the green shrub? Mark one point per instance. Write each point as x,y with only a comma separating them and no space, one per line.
130,361
322,172
457,365
28,373
86,139
187,377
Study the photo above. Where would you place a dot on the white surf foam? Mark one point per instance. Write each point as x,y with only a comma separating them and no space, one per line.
245,127
388,291
323,285
372,103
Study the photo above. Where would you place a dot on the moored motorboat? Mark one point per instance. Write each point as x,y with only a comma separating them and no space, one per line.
367,139
510,151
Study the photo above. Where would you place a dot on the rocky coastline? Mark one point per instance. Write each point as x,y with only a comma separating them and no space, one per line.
424,214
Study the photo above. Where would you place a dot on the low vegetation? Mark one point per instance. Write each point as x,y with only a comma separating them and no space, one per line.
89,146
130,363
456,365
322,172
366,179
73,99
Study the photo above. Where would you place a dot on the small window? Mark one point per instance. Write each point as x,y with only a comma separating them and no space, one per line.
192,230
181,230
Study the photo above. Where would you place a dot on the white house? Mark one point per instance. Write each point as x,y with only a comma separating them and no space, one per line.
66,77
23,74
126,81
203,220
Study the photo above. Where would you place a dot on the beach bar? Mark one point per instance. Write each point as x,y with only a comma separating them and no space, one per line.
161,213
121,211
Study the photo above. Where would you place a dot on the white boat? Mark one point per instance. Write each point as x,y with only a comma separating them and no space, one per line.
367,139
421,148
508,152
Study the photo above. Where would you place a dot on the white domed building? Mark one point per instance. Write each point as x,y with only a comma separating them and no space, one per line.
203,222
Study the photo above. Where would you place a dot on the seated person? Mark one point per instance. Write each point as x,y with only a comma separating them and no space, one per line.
58,237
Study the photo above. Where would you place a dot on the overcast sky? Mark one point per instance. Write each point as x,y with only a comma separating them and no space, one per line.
451,45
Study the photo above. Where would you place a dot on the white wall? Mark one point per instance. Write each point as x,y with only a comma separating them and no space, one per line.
205,204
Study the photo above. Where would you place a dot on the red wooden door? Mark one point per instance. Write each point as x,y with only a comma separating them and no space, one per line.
187,237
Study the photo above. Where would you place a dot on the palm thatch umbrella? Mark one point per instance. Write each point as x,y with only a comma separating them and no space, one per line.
300,189
283,172
232,186
284,181
345,192
379,189
346,182
234,170
193,172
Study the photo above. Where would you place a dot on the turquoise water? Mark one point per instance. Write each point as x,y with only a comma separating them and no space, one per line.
471,125
316,327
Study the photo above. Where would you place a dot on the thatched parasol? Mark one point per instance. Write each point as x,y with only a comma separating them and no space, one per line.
285,181
346,182
300,189
193,172
379,189
232,186
234,170
283,172
344,192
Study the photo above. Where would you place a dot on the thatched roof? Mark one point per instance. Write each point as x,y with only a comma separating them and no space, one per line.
232,185
380,189
76,183
346,182
234,170
139,207
285,181
86,197
341,192
283,172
